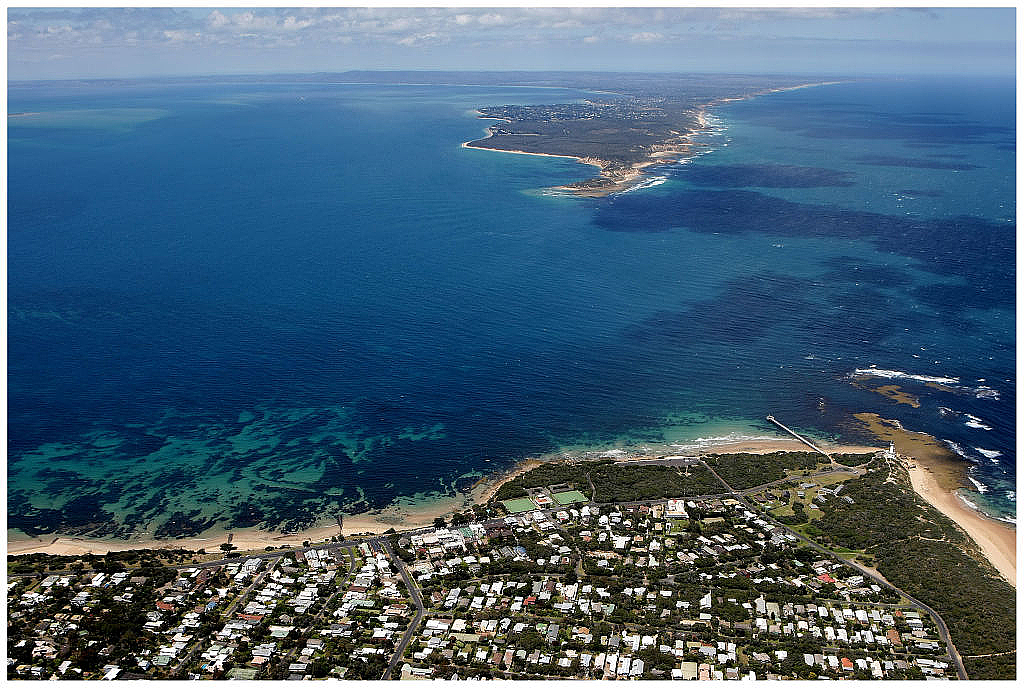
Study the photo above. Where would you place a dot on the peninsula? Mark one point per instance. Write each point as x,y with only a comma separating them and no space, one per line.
625,129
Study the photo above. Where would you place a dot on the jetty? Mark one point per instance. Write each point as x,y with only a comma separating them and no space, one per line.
772,419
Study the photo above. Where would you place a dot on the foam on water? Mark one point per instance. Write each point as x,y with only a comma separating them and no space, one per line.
988,453
646,184
975,422
960,450
899,374
952,383
982,488
731,438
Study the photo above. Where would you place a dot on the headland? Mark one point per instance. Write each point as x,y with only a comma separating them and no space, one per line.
624,133
940,478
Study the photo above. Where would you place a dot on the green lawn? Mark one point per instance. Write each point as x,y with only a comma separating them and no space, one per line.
518,506
570,497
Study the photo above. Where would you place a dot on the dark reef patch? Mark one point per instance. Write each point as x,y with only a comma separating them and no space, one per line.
851,269
976,249
764,176
180,525
747,309
464,483
83,515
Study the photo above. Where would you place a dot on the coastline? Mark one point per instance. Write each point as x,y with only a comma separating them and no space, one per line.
937,476
404,515
585,161
615,179
610,182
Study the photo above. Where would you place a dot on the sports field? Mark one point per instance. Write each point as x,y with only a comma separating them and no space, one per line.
518,506
570,497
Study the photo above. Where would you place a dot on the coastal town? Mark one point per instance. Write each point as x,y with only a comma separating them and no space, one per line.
569,571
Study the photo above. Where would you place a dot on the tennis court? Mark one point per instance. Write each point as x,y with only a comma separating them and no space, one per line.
570,497
518,506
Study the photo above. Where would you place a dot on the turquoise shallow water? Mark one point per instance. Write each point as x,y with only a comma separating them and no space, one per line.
245,304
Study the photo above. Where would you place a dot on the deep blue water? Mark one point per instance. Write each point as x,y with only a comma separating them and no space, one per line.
244,304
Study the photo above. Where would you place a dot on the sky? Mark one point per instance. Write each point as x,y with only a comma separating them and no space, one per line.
52,43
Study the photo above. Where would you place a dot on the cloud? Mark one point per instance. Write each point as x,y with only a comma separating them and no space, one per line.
491,31
647,37
391,25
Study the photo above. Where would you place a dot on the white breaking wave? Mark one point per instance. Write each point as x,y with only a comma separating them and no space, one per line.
701,442
982,392
956,448
1011,495
898,374
980,487
988,453
646,184
975,422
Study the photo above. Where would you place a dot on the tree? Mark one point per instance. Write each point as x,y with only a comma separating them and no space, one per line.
227,547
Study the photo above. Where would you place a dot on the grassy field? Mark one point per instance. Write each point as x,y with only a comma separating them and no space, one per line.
570,497
518,506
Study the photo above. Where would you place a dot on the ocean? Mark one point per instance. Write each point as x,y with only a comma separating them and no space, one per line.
259,304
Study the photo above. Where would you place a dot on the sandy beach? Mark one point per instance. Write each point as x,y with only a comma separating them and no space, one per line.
399,516
611,184
769,446
935,476
616,180
938,476
997,540
404,515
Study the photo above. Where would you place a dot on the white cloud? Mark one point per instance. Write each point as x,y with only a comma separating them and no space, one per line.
646,37
489,31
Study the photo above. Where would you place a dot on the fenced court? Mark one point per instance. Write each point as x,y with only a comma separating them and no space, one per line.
518,506
570,497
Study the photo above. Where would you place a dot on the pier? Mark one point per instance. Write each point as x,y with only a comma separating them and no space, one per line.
806,441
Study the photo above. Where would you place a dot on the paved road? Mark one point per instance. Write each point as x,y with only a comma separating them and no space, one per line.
343,585
414,592
939,623
678,461
202,642
951,650
737,494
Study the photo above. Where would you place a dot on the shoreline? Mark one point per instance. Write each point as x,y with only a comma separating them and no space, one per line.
400,516
937,476
585,161
608,184
617,180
